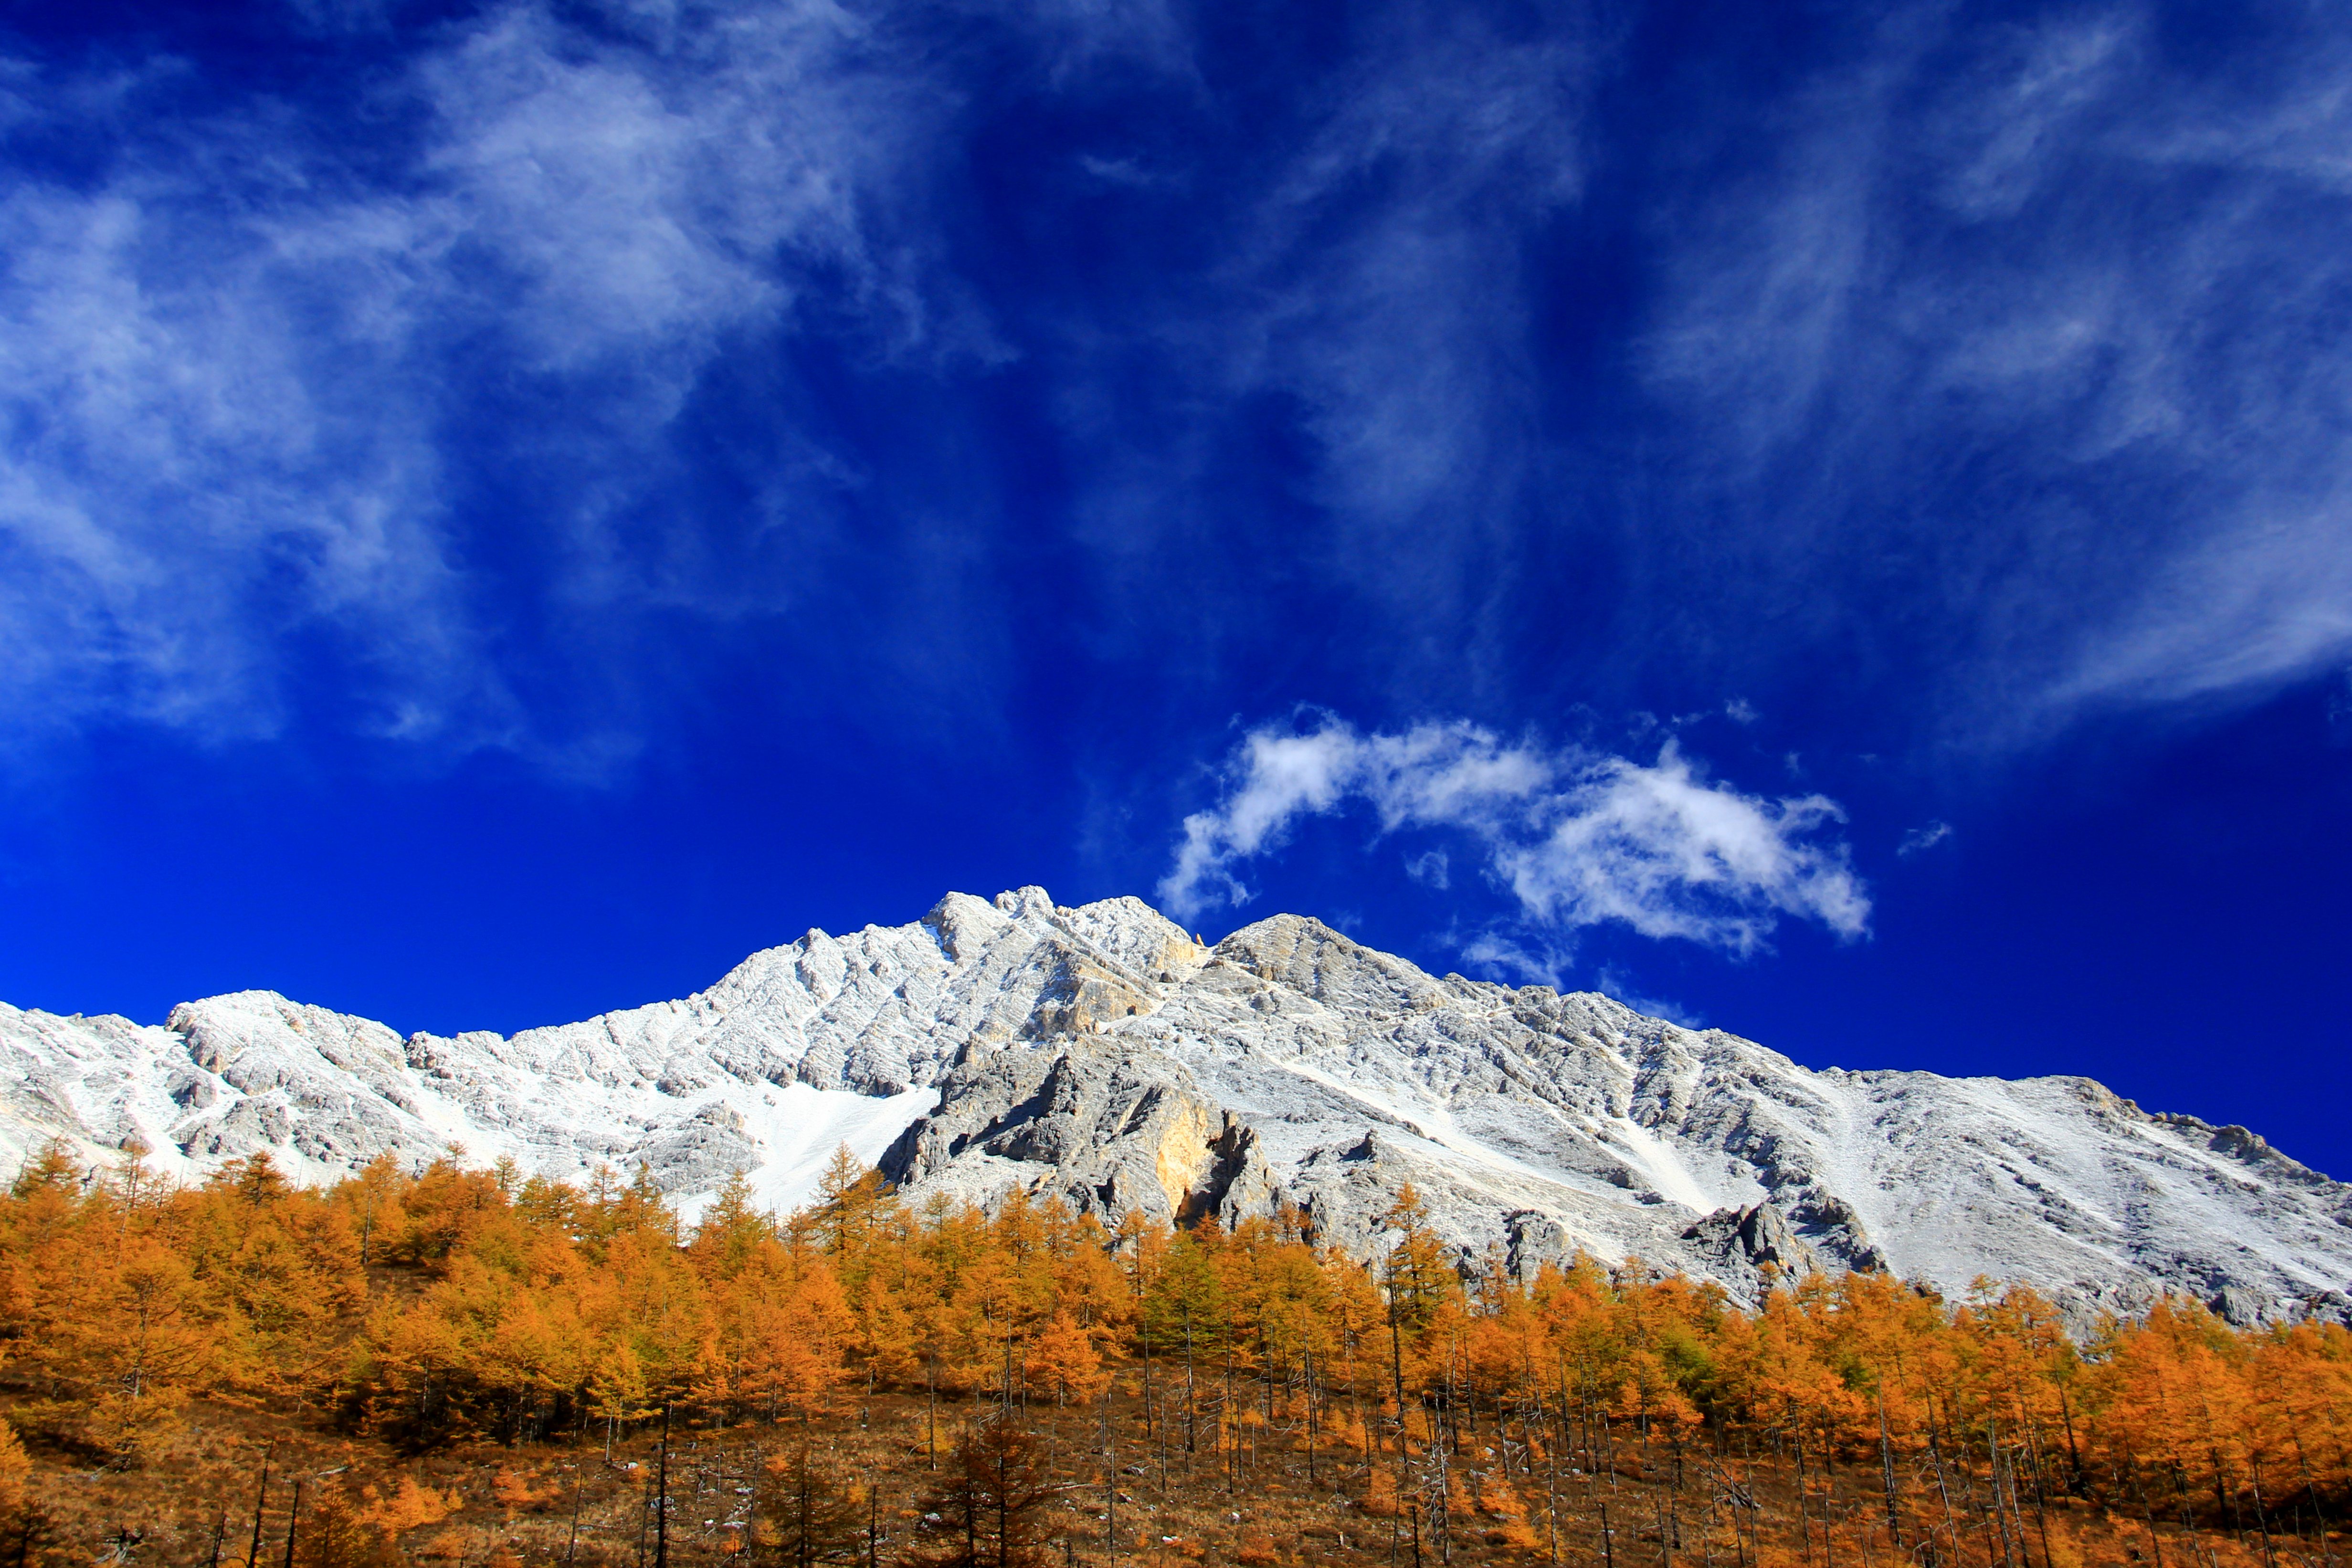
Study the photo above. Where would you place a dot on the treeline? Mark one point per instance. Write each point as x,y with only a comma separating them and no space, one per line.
466,1304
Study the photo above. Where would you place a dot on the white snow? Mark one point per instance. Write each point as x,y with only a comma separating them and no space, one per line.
800,1129
1660,1163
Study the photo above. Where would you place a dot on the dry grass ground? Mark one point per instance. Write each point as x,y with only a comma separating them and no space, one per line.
193,1501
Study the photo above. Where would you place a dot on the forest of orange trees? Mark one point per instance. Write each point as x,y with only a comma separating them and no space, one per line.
465,1367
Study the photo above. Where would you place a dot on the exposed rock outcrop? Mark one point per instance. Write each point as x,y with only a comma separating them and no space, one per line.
1752,1239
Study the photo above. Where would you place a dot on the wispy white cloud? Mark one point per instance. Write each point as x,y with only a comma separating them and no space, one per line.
1432,868
2006,299
1940,330
1578,838
1403,323
1977,305
1515,955
186,458
1378,290
240,368
1626,988
1925,837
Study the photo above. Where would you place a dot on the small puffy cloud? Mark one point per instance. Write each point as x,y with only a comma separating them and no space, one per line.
1578,838
1925,837
1431,868
1662,850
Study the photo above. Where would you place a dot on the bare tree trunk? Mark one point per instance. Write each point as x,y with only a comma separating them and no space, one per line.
1191,1400
1804,1514
1110,1480
1309,1377
661,1508
260,1501
293,1519
1886,1474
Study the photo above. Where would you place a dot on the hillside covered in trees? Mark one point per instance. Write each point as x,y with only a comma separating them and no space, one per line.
467,1366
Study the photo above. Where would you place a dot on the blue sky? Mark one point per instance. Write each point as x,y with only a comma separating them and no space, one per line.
1830,522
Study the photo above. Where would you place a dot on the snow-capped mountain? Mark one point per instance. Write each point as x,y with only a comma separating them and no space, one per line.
1102,1054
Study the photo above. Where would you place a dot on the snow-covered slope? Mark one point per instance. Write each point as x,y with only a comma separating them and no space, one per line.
1100,1054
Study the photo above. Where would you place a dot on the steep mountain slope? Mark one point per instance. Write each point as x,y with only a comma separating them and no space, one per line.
1099,1053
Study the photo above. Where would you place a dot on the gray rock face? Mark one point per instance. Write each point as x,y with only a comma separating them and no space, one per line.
1107,1129
1098,1053
1750,1240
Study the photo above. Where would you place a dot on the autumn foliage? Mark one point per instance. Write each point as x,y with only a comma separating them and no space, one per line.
457,1305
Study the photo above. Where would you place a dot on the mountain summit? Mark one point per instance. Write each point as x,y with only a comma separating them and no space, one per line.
1101,1055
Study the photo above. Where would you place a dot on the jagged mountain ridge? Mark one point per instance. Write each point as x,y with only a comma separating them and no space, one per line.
1099,1053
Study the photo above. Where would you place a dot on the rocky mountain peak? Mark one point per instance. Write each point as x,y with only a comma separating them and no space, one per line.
1100,1054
